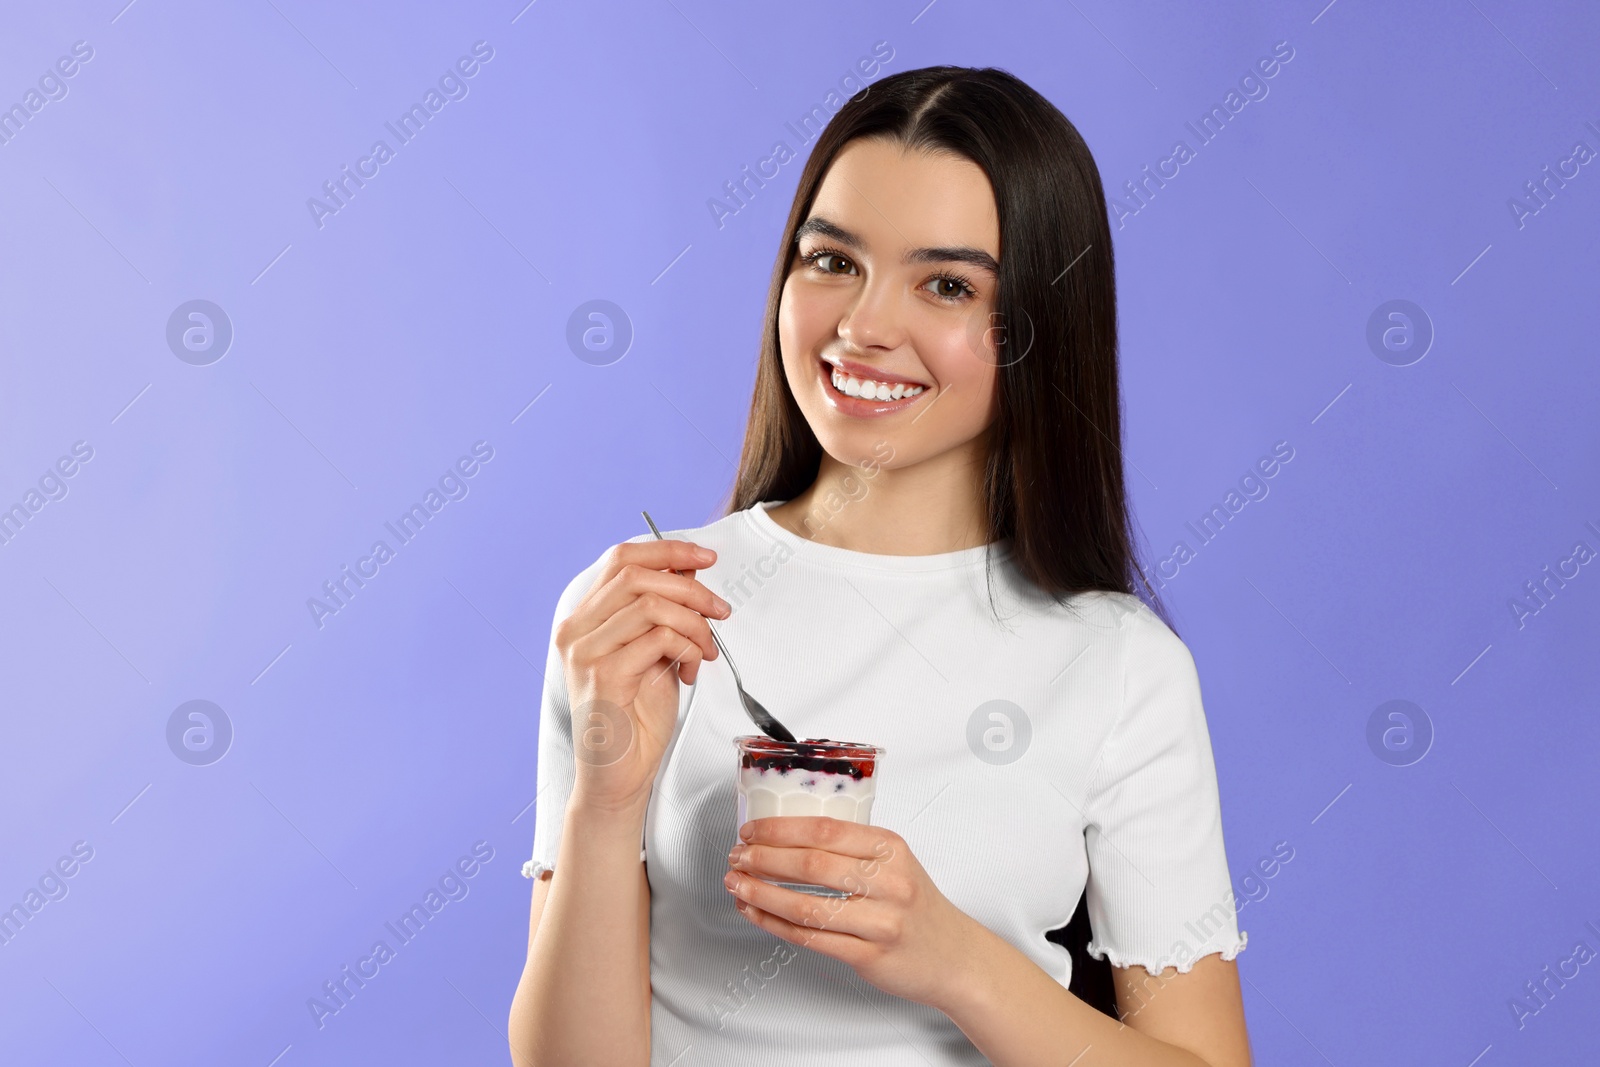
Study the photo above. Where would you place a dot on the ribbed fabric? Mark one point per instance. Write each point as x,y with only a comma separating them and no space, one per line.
1107,782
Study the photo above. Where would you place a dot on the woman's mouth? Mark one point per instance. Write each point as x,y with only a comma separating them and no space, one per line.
865,397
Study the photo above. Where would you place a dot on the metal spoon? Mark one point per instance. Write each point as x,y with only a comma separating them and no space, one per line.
758,714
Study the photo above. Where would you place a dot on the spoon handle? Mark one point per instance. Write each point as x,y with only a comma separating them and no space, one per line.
716,639
752,707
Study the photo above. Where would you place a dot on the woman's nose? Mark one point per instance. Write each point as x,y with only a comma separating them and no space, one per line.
877,317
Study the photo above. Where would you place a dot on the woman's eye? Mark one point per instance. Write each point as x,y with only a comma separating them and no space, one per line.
947,288
829,263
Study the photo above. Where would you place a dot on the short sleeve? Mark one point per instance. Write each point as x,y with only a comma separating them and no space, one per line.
1159,893
557,766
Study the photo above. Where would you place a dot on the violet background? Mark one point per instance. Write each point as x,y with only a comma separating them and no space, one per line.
427,314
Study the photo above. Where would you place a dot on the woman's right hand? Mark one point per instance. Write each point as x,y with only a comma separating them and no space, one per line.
633,636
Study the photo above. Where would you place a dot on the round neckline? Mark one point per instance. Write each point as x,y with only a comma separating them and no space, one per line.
833,556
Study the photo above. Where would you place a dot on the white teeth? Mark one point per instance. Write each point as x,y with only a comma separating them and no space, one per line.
872,390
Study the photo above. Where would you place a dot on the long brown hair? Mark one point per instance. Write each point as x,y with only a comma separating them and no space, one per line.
1053,479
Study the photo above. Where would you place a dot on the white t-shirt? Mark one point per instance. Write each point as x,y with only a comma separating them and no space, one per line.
1061,746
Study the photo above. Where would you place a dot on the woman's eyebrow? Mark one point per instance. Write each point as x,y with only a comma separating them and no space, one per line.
976,257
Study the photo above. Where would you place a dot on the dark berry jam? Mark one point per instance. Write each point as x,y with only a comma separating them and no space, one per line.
812,754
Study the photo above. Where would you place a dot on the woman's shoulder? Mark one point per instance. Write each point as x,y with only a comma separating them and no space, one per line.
1125,620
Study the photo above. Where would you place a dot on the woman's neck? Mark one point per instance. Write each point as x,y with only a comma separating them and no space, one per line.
932,507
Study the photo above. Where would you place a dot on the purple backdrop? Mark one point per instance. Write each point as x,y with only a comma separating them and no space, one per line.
1380,261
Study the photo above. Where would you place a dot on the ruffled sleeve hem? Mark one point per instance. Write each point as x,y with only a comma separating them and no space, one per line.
1103,952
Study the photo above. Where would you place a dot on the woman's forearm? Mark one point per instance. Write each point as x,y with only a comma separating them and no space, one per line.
1018,1016
584,997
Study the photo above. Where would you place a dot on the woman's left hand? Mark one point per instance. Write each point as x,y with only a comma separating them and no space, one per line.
897,930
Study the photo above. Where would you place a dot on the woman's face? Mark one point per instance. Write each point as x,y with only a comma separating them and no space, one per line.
894,282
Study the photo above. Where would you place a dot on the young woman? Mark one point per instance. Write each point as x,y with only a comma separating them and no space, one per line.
927,548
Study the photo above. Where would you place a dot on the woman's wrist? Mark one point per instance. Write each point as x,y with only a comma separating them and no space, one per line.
966,993
606,815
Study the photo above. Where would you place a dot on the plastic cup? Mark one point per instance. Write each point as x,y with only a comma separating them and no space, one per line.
812,777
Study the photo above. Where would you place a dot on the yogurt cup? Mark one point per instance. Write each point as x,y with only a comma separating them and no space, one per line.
816,776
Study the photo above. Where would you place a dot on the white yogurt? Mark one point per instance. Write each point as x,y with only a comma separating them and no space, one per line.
766,792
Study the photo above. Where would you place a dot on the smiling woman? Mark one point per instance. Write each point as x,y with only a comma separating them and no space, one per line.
862,312
942,312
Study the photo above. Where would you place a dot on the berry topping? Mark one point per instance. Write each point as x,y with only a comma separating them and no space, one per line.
813,754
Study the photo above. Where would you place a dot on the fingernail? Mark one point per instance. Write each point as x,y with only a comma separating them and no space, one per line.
733,856
730,880
723,606
705,554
